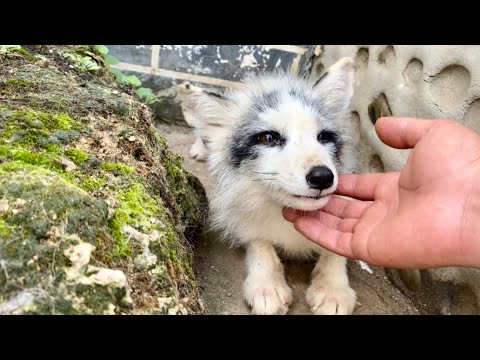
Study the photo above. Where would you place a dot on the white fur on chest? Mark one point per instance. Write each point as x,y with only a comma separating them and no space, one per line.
260,219
269,225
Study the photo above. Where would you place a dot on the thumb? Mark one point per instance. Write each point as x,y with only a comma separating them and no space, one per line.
403,133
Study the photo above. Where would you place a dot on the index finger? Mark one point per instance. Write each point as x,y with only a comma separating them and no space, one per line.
404,133
329,238
361,187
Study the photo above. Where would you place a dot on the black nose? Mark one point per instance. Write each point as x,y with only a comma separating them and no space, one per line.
320,177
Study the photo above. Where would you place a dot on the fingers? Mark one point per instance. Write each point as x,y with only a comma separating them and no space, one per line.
293,215
403,133
334,222
346,208
338,207
331,239
361,187
345,225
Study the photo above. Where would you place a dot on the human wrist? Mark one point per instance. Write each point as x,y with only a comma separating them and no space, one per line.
470,239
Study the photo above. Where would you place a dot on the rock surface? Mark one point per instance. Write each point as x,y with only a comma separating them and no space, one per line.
97,215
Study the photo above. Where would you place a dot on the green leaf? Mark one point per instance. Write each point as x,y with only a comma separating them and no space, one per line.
144,92
92,66
10,47
68,55
22,51
147,95
13,48
82,63
111,60
134,81
102,49
89,64
119,76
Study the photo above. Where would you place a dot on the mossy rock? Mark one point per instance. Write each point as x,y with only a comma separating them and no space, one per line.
97,215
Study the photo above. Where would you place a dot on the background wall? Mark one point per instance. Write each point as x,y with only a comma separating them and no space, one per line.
161,67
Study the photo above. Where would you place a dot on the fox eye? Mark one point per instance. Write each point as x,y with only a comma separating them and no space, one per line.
267,137
270,137
327,136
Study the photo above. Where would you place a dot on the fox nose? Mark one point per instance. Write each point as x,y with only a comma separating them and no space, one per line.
320,177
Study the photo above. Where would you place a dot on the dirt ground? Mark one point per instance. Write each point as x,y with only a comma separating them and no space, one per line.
221,270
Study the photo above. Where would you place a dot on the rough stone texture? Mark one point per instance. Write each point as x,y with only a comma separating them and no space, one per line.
413,81
97,215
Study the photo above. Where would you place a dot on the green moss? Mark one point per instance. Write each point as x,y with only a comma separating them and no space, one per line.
91,183
53,148
117,168
26,128
43,159
173,255
4,151
64,306
9,167
173,165
77,156
122,246
162,277
37,164
5,229
46,200
26,240
135,206
16,82
49,120
98,297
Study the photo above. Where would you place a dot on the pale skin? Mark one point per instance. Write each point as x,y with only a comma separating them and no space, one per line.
425,216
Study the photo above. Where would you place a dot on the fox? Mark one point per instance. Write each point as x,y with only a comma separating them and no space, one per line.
279,141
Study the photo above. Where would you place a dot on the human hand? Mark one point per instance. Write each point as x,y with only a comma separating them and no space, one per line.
426,216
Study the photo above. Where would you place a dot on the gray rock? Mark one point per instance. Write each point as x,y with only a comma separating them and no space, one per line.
97,215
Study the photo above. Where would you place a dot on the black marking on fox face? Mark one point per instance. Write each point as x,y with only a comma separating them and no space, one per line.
218,96
332,138
260,104
307,99
247,143
338,150
269,100
242,148
328,136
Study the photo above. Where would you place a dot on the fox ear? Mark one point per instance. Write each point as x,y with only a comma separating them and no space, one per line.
200,107
334,89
